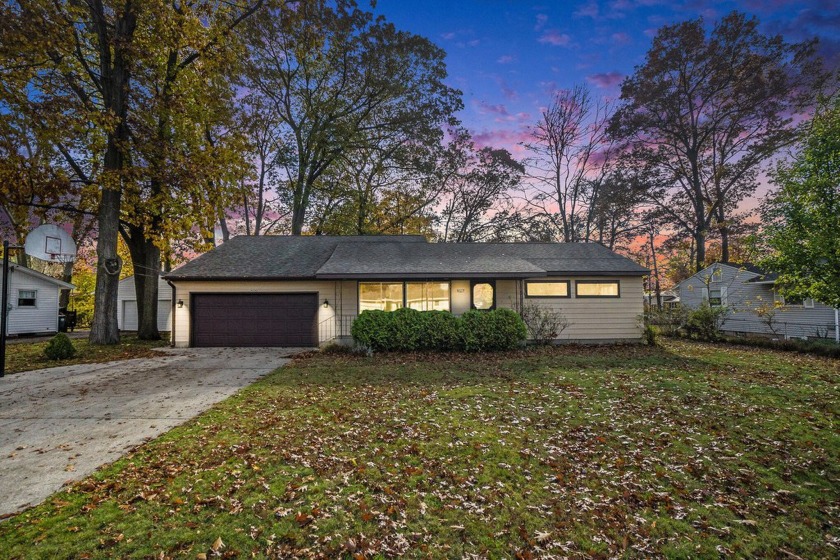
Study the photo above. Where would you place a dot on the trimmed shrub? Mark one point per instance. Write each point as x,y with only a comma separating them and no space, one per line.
408,330
372,329
440,331
499,329
59,348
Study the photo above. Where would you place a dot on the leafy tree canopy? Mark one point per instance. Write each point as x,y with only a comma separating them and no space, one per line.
804,214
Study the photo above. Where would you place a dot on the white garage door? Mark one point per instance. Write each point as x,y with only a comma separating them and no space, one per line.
129,317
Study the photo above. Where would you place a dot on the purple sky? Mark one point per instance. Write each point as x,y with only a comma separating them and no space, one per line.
508,56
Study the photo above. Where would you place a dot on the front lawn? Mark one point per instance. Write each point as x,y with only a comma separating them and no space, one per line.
690,450
25,356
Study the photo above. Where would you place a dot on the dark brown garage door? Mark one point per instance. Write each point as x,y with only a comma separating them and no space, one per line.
255,320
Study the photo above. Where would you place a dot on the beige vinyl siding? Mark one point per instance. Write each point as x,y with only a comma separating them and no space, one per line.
745,298
459,293
43,318
591,319
336,293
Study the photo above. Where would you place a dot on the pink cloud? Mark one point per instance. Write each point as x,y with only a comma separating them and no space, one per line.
511,140
605,80
486,108
542,19
590,9
621,38
501,113
448,36
506,59
554,37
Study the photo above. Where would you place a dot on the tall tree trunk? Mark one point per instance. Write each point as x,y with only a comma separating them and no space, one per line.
699,250
145,256
224,227
652,239
114,46
298,217
103,329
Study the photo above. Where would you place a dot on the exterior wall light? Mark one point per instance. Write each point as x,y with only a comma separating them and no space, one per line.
326,303
180,303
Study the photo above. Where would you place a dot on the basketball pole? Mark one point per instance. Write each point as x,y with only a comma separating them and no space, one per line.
5,308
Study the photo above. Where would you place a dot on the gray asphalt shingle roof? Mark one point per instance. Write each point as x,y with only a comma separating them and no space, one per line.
333,257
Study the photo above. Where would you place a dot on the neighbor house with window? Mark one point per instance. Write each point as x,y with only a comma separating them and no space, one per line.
753,305
307,290
33,301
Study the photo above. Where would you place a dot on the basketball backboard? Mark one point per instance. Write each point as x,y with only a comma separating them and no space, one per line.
50,243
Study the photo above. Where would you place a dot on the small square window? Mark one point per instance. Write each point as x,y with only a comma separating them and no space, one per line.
717,275
27,298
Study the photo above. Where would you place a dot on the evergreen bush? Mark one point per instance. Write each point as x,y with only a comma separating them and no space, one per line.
59,348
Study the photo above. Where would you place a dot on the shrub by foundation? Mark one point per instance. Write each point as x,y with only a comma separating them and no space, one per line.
408,330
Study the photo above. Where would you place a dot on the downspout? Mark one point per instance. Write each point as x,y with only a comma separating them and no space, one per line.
837,325
173,303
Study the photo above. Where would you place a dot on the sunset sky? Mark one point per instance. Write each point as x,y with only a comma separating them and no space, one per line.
508,56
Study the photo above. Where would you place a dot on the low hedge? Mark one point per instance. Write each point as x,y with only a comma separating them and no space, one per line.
409,330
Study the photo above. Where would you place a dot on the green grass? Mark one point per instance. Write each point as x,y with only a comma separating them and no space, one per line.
685,451
25,356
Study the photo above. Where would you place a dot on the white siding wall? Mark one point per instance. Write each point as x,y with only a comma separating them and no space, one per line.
744,298
127,308
43,318
590,319
334,292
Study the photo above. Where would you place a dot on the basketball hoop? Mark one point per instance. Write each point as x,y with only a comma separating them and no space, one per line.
51,243
62,258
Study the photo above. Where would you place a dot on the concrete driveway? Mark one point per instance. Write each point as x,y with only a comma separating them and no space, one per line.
58,425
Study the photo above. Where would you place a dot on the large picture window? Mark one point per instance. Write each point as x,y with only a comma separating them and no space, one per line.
385,296
547,289
585,288
390,296
427,296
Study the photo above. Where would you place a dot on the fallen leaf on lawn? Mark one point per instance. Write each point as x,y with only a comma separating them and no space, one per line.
217,545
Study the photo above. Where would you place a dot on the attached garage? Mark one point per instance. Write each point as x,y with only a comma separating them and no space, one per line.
254,319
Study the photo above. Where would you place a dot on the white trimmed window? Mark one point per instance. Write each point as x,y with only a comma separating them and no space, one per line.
717,275
547,289
27,298
807,303
717,296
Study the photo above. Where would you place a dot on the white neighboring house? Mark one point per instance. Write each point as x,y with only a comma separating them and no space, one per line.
755,307
33,301
127,305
